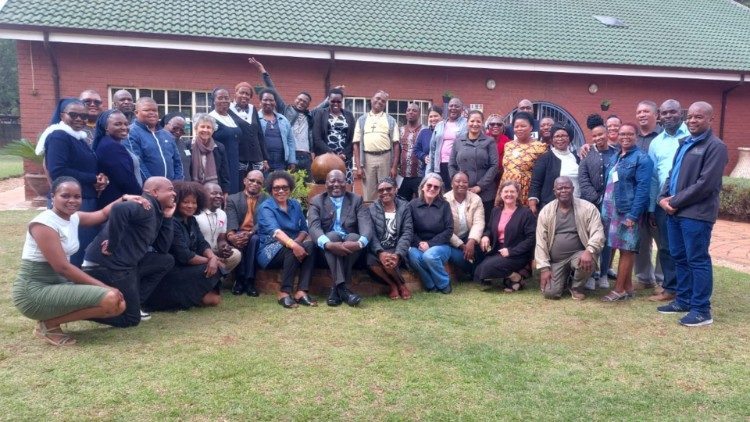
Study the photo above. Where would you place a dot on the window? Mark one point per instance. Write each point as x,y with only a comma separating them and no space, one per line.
396,108
168,101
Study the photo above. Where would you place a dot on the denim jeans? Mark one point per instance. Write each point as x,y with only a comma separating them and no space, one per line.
688,243
430,265
663,255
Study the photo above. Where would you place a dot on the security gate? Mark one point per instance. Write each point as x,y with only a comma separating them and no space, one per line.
546,109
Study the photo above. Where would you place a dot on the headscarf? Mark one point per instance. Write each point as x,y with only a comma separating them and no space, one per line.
64,102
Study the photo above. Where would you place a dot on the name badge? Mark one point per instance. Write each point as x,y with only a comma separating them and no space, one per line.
187,152
615,177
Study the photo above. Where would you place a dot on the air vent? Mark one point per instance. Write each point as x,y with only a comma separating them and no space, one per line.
611,21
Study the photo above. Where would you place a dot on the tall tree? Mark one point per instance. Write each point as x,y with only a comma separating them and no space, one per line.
8,78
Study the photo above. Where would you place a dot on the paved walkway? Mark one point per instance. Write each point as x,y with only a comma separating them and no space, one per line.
730,244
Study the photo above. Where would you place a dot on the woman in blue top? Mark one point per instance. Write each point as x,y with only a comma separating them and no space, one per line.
69,154
277,132
228,134
625,201
116,161
284,242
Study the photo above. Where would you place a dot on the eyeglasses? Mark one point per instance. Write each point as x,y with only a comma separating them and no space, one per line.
94,102
430,186
73,115
494,124
256,181
283,188
385,190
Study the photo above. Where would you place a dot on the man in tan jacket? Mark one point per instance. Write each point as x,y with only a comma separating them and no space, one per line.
569,237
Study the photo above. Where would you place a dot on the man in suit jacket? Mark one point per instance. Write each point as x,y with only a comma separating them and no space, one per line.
241,218
340,225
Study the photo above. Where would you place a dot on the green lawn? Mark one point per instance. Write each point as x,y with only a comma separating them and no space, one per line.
10,167
472,355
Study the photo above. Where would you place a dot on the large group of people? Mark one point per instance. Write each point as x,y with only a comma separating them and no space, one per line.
141,219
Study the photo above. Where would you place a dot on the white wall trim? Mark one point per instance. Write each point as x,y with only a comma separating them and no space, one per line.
311,53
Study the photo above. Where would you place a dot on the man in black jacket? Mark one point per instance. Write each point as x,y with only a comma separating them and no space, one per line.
340,224
131,252
690,197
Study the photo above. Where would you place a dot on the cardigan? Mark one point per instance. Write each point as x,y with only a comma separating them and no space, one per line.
69,156
115,161
520,233
545,171
404,227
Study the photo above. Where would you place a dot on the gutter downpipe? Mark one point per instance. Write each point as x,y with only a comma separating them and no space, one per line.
53,61
724,98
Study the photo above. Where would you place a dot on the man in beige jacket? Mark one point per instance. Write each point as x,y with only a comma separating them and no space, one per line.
569,237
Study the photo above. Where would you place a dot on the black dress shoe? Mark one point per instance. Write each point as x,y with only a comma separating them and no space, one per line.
238,288
306,300
333,298
250,289
288,302
432,290
347,296
447,290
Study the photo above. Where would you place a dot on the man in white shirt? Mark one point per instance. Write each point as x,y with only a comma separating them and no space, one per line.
213,225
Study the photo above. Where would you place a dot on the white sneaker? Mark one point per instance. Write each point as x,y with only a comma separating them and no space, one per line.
604,282
590,284
145,316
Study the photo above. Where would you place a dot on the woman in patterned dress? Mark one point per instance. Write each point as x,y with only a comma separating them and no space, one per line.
333,131
520,155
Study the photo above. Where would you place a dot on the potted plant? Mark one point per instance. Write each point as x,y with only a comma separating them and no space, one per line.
605,104
35,177
447,95
301,190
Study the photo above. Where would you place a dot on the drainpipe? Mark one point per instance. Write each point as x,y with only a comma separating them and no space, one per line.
327,80
53,61
724,97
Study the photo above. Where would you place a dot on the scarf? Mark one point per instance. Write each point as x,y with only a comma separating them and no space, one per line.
199,172
41,144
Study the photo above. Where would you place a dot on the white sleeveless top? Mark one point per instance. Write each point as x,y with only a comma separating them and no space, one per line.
66,230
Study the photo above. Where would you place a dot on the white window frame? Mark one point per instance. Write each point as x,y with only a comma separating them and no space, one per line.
360,105
167,107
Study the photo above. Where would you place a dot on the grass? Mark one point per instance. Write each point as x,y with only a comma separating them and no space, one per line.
10,167
470,355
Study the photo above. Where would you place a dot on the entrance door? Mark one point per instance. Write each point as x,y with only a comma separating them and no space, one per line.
546,109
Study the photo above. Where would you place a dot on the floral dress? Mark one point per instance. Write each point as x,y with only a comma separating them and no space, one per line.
518,163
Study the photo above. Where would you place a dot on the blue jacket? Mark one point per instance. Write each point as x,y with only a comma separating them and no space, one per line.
632,189
68,156
286,135
157,152
436,143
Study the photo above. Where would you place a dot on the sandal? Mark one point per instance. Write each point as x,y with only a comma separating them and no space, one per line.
613,296
393,295
55,336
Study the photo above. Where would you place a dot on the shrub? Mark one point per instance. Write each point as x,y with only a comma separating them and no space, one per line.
734,202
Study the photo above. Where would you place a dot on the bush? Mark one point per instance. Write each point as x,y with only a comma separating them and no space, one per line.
734,202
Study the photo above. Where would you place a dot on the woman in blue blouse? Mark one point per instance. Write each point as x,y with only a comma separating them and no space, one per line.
69,154
284,242
194,280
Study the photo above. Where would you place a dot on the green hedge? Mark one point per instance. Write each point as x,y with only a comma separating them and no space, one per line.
735,199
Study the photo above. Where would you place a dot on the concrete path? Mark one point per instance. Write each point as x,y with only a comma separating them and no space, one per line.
730,243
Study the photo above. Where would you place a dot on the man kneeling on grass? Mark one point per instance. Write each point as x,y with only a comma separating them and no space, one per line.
569,236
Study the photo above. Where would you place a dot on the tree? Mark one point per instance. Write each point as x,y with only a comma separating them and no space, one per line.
8,78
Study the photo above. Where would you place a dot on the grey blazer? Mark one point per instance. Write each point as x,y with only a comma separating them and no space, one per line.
354,216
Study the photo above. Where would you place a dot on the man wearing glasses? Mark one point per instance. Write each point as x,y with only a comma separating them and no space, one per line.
241,231
93,103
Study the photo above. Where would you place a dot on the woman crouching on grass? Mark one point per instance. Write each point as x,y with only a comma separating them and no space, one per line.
48,288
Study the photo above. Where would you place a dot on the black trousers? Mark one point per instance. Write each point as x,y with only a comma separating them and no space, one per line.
246,269
341,266
495,266
446,176
409,188
183,287
286,260
136,285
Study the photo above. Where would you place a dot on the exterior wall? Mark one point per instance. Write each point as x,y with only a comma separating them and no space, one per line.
98,67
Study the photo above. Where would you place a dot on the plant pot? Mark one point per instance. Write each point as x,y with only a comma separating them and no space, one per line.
742,169
39,183
604,107
446,99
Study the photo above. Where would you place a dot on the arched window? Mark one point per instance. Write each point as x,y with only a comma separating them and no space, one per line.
544,109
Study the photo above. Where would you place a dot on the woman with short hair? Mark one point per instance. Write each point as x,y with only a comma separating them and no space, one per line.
393,230
558,161
194,279
227,133
208,159
284,240
433,227
520,156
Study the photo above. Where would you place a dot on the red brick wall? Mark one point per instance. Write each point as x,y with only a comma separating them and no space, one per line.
98,67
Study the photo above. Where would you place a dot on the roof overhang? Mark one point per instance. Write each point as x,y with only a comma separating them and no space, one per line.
372,56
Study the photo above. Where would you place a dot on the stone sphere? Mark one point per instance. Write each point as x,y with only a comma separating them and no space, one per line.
324,163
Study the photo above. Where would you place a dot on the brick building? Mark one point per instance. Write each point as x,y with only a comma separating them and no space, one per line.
490,53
